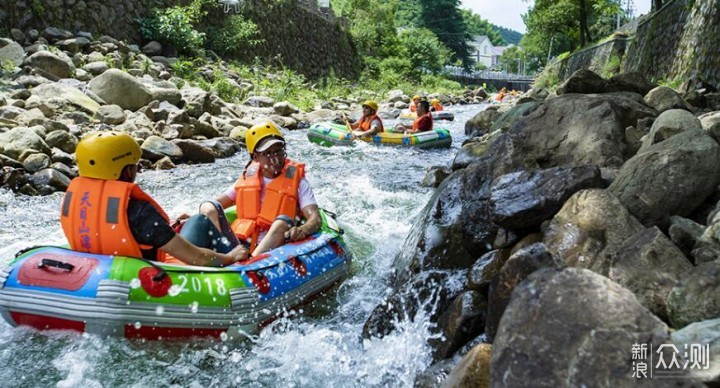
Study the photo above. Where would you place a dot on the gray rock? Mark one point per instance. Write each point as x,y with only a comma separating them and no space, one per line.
670,178
481,123
473,371
711,124
13,53
434,176
19,139
697,297
632,82
68,95
664,98
51,63
73,45
117,87
259,101
485,268
64,169
702,333
96,68
685,233
52,178
525,199
670,123
284,108
62,140
649,265
153,48
584,82
223,147
589,229
160,146
111,114
194,152
36,162
460,323
53,34
557,324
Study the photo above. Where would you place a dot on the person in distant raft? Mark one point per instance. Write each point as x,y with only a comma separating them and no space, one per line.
414,103
369,123
271,196
423,123
104,212
435,105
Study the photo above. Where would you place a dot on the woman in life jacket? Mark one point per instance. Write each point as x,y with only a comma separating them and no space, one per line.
105,212
270,196
369,123
423,123
414,103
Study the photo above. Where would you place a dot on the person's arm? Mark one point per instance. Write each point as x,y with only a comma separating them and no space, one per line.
312,215
193,255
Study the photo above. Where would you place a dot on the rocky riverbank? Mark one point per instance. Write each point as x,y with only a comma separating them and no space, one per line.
573,228
56,86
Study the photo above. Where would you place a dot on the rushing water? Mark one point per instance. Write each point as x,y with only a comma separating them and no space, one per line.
376,193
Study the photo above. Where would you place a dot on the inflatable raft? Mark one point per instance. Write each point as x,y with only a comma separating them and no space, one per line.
442,115
57,288
329,134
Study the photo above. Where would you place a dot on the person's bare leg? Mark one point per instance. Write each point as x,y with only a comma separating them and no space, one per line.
274,237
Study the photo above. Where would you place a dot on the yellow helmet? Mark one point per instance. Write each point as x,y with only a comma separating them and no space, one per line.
435,101
103,155
372,104
416,97
260,131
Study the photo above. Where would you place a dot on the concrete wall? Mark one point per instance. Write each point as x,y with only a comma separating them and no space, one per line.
307,40
680,41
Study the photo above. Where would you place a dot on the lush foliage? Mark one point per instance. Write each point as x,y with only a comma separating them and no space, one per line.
477,26
443,17
192,28
508,35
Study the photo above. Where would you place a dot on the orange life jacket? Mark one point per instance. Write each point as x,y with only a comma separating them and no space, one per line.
281,198
94,217
365,122
413,106
416,123
438,107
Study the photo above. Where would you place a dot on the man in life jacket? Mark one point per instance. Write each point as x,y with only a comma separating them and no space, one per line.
104,212
423,123
271,196
414,103
435,105
369,123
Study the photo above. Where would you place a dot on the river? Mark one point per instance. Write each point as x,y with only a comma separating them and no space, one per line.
376,193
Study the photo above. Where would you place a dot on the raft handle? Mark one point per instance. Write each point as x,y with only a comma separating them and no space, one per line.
55,263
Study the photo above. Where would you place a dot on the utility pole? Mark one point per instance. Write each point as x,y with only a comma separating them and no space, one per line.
550,50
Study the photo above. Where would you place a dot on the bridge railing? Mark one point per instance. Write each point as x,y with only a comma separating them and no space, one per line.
487,74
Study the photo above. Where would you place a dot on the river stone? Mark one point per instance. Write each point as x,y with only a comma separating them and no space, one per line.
171,95
111,114
285,108
153,48
711,124
473,371
96,68
10,112
434,374
72,45
460,323
649,265
223,147
194,152
11,52
31,117
670,123
518,267
204,127
685,233
117,87
259,102
429,291
69,94
64,169
485,268
702,333
434,176
670,178
36,162
53,34
65,141
51,63
52,178
61,156
165,163
589,229
160,146
664,98
453,229
480,124
584,81
697,296
19,139
572,328
525,199
196,101
631,82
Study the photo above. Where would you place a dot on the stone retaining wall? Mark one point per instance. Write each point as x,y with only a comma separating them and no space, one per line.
307,40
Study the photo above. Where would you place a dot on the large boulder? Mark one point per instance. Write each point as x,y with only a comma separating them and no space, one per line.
631,82
664,98
19,139
480,123
649,265
120,88
584,81
704,334
697,296
711,124
670,123
672,177
51,63
473,371
11,52
573,328
589,230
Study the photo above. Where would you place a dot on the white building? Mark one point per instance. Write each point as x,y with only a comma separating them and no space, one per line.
483,52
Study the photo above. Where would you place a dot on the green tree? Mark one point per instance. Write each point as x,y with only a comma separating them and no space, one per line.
508,35
408,13
372,25
477,26
425,51
443,17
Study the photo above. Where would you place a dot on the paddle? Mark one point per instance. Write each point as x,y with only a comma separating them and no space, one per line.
349,128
